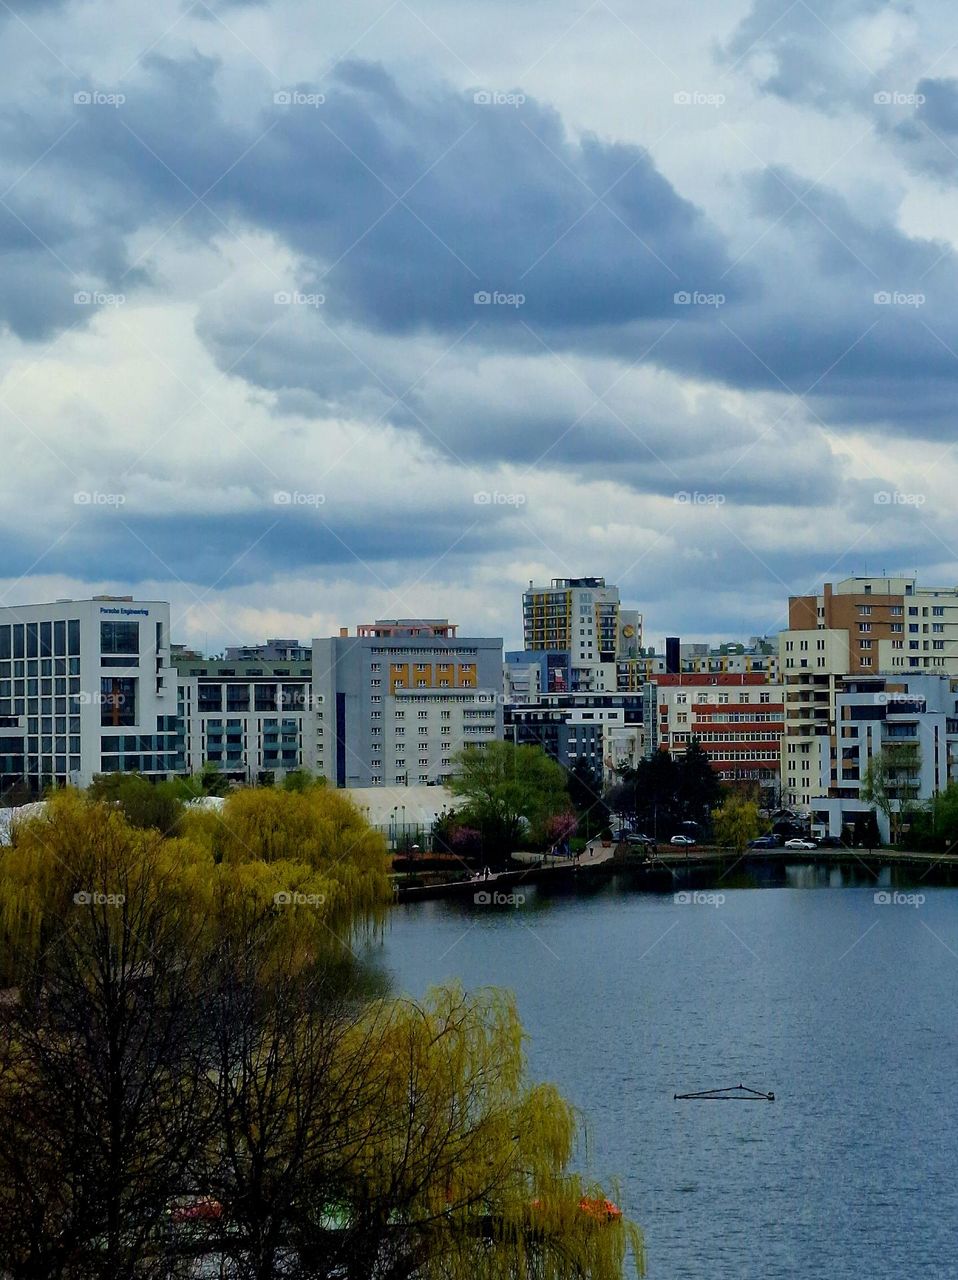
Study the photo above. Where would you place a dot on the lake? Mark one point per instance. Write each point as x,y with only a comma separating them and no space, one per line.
844,1007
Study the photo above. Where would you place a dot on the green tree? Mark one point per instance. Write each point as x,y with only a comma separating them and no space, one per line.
737,822
145,804
508,793
658,810
890,782
301,780
585,792
698,788
935,824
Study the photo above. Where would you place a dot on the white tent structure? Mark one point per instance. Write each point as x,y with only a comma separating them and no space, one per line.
399,811
9,817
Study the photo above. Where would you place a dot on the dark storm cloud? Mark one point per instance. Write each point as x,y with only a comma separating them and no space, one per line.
237,550
406,206
403,206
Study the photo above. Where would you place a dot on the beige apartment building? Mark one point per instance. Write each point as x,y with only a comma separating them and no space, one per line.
859,626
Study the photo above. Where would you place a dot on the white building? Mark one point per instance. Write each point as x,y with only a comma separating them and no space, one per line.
86,687
583,617
915,711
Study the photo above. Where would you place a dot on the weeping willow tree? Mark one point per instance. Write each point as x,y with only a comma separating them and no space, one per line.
190,1073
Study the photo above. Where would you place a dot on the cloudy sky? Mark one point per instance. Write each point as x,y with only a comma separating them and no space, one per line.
318,312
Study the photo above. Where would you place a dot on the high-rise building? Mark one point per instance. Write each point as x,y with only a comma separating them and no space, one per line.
86,687
394,703
859,626
582,617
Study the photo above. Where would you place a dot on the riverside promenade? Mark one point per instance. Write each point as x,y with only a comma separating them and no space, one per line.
595,857
667,868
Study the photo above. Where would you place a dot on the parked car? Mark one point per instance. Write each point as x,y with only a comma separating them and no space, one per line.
831,842
682,840
800,842
765,842
636,837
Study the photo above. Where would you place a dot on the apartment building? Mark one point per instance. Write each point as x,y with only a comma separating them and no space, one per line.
738,718
892,623
758,657
859,626
582,617
395,702
250,719
529,674
915,711
280,651
813,663
602,730
86,687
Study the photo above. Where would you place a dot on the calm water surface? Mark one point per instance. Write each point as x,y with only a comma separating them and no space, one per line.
846,1008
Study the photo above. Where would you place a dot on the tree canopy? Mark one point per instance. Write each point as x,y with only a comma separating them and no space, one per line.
663,792
509,793
195,1068
890,782
737,822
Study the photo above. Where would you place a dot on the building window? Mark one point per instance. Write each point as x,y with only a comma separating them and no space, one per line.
119,637
117,701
